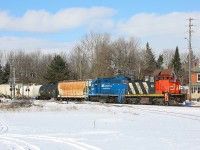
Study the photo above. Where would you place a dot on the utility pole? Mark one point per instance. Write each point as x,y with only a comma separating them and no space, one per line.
12,79
190,50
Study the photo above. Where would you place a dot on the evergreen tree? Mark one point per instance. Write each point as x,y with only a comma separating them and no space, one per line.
160,62
6,73
1,75
57,70
149,61
176,63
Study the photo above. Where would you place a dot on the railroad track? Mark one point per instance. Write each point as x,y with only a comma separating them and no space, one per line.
152,109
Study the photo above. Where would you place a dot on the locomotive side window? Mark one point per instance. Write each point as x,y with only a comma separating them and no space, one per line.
106,81
99,81
146,78
117,81
161,78
151,79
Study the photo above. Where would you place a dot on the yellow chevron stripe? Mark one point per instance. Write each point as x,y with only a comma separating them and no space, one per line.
139,88
132,88
146,87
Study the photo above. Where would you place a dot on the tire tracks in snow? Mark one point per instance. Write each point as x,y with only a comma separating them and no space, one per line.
14,143
17,144
3,127
17,140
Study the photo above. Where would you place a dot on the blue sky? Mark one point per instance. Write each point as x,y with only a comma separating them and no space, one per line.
59,24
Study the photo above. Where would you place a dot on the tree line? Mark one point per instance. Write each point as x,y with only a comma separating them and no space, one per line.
96,55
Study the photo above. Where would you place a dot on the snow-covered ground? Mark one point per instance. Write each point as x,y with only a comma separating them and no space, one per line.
95,126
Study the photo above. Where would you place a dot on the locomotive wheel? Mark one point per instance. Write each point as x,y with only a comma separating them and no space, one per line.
166,103
169,102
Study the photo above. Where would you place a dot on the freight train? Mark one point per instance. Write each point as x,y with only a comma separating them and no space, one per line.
162,88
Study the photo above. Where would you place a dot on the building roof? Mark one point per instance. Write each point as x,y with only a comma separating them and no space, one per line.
196,84
196,69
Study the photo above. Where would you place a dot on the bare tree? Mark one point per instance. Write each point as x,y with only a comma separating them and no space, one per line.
101,66
167,57
78,60
197,56
125,54
90,58
28,67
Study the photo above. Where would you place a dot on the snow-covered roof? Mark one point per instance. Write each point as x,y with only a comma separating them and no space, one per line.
196,69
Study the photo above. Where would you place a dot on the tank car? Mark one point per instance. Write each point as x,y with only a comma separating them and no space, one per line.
30,91
48,91
10,91
5,90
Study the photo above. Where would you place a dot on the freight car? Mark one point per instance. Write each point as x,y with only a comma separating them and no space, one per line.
47,91
74,90
8,91
163,89
19,91
65,90
5,90
29,91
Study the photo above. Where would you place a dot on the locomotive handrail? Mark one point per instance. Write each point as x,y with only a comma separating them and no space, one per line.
144,95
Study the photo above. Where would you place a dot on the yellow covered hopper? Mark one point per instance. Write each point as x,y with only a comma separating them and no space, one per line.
73,89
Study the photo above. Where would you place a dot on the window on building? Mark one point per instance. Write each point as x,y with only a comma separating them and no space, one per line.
198,89
194,89
198,77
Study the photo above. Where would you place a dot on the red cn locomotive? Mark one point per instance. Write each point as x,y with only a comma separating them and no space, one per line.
161,88
166,82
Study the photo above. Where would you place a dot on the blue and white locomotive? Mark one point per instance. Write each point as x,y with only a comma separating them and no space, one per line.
109,89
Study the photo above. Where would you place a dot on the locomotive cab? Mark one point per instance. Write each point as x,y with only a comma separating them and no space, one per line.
167,83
